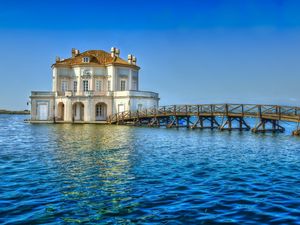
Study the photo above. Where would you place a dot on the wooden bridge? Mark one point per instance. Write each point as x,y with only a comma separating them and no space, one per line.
232,116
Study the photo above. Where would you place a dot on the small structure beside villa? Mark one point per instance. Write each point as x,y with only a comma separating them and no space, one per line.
89,87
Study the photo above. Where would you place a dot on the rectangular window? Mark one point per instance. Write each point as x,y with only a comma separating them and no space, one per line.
85,85
140,106
99,110
123,85
86,59
98,85
75,86
64,85
108,85
121,108
134,86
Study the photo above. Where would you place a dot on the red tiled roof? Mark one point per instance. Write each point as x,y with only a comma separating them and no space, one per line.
97,57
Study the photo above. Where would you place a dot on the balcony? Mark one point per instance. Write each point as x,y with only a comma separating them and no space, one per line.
145,94
82,93
42,94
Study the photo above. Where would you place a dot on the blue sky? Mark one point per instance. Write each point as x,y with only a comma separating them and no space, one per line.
189,51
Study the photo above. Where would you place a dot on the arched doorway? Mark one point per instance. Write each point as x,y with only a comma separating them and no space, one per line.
60,111
78,111
101,111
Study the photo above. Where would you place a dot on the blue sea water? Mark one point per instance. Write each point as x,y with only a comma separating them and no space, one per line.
97,174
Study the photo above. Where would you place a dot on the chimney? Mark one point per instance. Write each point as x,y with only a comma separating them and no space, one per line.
57,59
117,52
75,52
130,59
113,52
134,60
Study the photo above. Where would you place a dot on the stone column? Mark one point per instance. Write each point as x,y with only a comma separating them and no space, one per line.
87,109
68,110
92,113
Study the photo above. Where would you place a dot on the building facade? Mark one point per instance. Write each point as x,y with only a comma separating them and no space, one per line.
90,86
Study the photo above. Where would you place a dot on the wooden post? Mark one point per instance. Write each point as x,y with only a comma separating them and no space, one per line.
259,111
242,110
241,124
229,122
226,110
187,122
264,125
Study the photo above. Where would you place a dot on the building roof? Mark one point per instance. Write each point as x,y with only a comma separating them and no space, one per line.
97,57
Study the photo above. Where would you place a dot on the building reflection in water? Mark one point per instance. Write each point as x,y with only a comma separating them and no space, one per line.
94,162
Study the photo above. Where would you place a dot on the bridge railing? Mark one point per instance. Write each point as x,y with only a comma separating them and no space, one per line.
272,111
289,110
250,109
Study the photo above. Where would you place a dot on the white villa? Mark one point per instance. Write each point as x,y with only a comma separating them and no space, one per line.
90,86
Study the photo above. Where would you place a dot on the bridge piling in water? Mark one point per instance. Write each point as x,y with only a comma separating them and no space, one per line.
261,126
200,123
296,132
228,124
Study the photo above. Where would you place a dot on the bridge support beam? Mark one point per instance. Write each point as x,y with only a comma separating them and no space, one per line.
228,124
175,121
136,122
154,122
213,123
261,126
120,122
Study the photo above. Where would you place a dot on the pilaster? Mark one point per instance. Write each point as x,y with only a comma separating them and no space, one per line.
54,80
130,80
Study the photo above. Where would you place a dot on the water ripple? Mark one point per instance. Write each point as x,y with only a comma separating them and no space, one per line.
71,174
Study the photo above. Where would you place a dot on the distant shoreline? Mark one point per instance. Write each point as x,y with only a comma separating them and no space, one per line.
17,112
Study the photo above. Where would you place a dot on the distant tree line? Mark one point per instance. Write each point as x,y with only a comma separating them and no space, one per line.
21,112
